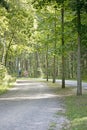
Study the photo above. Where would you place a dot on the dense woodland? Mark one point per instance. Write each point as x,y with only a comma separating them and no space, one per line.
45,38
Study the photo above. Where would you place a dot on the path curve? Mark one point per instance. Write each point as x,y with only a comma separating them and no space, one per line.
31,105
72,83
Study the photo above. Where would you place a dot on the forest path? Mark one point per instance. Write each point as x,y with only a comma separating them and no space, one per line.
31,105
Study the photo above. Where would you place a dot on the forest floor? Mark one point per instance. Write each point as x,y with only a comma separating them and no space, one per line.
32,105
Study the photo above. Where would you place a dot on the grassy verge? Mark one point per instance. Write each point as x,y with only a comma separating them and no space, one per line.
5,85
76,111
3,88
76,106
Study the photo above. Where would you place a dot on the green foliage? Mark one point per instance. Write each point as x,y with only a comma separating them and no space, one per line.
3,21
2,89
5,79
3,72
5,87
27,34
4,4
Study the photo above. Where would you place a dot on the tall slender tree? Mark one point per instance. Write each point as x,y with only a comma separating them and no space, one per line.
79,82
47,63
54,56
63,52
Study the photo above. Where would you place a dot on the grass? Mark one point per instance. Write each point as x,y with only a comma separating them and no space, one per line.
52,126
76,106
61,92
76,111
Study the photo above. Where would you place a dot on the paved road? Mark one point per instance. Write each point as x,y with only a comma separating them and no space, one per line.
31,106
73,83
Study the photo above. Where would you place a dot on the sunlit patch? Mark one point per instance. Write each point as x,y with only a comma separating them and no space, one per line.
79,123
28,91
79,120
29,84
38,96
13,89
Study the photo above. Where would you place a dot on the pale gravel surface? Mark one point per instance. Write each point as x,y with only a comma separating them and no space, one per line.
31,105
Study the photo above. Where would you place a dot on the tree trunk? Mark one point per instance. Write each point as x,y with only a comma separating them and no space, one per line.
63,57
7,49
47,59
4,51
79,82
54,57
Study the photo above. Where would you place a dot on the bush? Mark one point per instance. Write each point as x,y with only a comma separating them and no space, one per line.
5,78
3,72
8,79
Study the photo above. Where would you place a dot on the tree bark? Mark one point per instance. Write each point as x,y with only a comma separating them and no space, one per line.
79,81
63,57
7,50
4,50
54,57
47,59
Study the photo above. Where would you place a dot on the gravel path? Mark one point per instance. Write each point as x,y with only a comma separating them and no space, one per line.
31,105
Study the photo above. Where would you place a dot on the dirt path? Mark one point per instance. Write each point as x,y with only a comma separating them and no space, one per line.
31,105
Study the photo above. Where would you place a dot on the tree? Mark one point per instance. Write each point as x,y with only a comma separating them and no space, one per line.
55,43
63,52
44,40
79,82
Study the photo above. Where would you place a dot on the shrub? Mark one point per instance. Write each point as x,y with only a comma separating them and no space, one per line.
3,72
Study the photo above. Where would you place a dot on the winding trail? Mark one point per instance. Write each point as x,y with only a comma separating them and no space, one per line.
31,105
